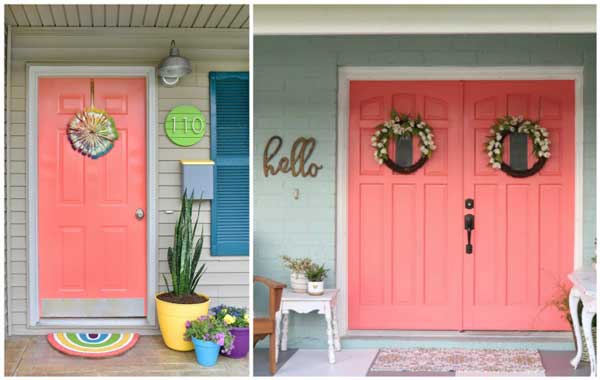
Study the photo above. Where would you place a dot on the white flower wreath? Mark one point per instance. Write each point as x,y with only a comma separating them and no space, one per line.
510,124
402,126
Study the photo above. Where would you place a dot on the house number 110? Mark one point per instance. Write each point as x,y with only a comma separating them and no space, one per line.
185,125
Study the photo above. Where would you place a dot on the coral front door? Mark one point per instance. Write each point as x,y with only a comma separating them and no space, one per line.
407,264
524,227
91,245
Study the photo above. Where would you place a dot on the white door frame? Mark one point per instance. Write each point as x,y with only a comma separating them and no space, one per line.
348,73
34,72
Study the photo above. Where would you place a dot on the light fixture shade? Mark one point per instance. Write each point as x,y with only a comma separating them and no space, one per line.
174,66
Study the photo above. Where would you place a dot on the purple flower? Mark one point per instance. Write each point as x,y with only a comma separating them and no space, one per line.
188,324
220,338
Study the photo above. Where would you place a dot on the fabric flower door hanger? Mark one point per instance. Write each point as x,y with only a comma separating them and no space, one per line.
92,132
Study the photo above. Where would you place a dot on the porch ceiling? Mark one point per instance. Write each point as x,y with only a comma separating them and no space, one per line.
422,19
203,16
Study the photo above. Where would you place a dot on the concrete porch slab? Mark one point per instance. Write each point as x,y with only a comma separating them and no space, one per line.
352,362
347,363
33,356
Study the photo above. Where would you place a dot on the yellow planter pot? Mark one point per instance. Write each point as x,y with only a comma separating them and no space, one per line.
172,318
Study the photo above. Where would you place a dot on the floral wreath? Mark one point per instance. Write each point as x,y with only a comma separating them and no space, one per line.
402,125
511,124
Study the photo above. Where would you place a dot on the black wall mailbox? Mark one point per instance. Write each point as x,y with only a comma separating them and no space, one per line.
198,177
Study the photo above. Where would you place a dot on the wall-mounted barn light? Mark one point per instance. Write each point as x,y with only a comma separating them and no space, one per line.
173,67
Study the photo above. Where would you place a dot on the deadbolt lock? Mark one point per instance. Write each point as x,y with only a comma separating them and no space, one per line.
469,203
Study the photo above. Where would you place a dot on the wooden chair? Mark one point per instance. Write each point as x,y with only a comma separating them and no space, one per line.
264,327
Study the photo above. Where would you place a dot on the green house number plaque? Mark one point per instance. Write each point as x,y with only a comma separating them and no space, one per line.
185,125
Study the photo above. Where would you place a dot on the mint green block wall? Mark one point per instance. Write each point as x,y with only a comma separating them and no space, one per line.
295,94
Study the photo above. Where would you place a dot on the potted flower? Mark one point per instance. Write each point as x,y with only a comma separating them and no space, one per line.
561,302
209,335
298,266
180,303
315,275
237,320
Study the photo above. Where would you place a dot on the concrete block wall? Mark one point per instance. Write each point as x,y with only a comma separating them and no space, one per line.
295,94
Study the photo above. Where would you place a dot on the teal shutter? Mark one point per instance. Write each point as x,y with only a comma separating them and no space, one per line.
229,147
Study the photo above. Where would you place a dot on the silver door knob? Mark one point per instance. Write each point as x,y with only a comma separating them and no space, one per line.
139,214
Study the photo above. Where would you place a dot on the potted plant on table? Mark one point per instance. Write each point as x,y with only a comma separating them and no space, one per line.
316,275
238,322
298,266
209,335
181,303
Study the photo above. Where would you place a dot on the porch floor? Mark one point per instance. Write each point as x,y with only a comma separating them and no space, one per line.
33,356
356,362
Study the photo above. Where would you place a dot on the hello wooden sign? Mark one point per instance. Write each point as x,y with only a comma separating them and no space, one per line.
297,162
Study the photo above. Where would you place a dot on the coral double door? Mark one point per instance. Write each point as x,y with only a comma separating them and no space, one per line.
407,263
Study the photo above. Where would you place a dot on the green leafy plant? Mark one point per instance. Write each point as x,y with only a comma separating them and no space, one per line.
296,265
210,329
232,316
316,273
184,255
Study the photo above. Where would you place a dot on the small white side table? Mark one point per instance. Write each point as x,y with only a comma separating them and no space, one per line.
584,289
304,303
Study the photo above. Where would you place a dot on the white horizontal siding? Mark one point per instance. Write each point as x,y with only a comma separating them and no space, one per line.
166,15
226,279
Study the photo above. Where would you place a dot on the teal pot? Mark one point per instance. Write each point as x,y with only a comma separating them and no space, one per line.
207,353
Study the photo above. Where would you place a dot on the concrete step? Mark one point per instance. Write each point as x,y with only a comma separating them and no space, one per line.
541,340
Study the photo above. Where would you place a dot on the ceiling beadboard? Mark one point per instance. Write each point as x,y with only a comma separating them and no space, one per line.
220,16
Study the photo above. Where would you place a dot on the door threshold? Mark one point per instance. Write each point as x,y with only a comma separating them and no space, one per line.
462,335
533,340
95,322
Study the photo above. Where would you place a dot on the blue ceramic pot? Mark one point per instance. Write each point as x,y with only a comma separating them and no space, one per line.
206,352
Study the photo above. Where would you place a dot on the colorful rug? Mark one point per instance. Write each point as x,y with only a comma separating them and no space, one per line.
461,362
92,345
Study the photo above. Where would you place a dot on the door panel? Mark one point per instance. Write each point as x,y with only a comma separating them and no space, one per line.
92,249
523,237
405,230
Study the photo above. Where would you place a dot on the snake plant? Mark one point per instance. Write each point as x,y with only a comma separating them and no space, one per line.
184,255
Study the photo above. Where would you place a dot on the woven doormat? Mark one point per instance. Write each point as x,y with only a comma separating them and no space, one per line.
460,362
93,345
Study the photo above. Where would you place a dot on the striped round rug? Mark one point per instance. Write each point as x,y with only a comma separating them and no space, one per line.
93,345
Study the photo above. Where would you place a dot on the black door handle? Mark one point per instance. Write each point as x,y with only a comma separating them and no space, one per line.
469,226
